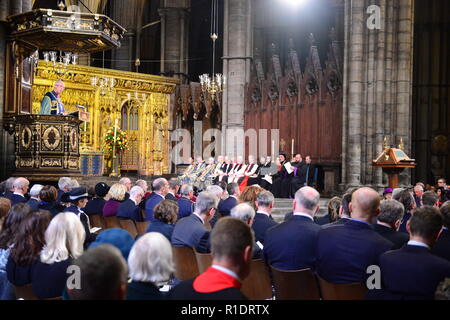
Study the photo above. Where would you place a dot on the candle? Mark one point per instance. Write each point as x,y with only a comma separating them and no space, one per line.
273,149
292,148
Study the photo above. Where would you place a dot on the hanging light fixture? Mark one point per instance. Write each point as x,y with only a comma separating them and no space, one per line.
59,62
105,84
214,84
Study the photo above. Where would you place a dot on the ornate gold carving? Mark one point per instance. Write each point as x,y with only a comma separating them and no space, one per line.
73,140
26,136
26,163
51,163
51,138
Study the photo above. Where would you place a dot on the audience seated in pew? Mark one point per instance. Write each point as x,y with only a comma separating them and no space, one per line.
388,222
345,252
413,272
103,273
185,204
129,209
165,214
291,245
96,204
48,200
116,196
442,246
231,245
150,267
263,217
245,212
64,240
160,190
191,231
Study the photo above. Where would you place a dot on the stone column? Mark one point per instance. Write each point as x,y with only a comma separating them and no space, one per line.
126,13
377,88
237,59
174,36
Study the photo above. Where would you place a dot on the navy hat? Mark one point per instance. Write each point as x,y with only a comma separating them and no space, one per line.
101,189
119,238
78,193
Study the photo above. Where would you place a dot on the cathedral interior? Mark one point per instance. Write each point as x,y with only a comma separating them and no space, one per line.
335,88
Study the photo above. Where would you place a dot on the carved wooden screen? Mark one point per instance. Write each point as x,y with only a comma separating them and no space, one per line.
130,123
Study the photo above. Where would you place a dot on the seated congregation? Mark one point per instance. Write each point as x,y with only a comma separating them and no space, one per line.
220,244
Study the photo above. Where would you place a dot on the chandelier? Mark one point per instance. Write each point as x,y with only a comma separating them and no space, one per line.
105,84
58,62
213,85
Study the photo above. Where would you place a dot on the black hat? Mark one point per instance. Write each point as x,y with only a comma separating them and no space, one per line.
101,189
78,193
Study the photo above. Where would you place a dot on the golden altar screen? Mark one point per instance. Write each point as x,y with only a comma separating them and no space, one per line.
140,102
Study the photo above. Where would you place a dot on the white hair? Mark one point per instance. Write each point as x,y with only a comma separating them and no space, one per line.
124,180
35,190
215,190
58,82
64,238
64,182
136,190
141,183
150,259
74,183
205,201
19,183
243,211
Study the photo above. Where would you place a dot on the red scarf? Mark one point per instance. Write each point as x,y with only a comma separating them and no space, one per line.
213,280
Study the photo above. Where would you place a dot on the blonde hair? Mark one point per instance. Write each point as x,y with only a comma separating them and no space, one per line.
151,259
117,192
64,238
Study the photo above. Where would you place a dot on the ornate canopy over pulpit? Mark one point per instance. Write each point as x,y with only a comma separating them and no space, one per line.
47,146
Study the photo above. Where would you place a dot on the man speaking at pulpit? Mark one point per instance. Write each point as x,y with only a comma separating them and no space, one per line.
51,103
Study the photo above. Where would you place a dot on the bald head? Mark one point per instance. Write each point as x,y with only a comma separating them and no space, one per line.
365,204
307,201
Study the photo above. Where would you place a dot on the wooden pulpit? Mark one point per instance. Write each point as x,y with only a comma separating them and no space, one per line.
47,146
393,161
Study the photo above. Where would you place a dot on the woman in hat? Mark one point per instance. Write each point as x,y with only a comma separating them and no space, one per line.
79,198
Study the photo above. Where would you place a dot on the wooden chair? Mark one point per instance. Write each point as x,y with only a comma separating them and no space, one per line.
257,286
185,263
128,225
97,220
111,222
25,292
204,261
295,284
142,226
334,291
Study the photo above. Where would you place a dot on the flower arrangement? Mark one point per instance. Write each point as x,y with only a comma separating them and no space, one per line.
121,140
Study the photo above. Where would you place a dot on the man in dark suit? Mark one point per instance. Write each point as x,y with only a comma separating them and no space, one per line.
430,198
8,187
129,209
442,246
20,189
230,202
413,272
189,231
34,196
418,193
174,186
160,189
308,173
388,222
407,199
246,213
231,242
263,218
64,186
292,244
344,252
185,205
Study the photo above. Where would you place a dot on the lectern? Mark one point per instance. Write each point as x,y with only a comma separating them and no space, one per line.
47,146
393,161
